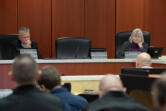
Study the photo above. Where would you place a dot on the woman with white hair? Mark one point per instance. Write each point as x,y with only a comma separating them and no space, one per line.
136,43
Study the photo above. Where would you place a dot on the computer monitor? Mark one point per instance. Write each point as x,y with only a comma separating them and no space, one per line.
137,78
131,54
155,52
132,82
142,71
31,52
134,71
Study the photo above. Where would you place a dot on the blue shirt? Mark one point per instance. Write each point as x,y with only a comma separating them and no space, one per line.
71,102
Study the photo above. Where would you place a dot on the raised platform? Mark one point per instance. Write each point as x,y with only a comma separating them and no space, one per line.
77,67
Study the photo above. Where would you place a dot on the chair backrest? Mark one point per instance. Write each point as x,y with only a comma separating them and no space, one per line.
7,51
90,97
73,47
121,37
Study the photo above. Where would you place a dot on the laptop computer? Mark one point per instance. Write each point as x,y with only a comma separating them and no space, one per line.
31,52
155,52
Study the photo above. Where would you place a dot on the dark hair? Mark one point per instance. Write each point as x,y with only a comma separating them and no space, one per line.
24,69
50,77
160,86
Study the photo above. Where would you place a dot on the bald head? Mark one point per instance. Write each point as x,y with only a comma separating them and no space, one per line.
110,83
143,59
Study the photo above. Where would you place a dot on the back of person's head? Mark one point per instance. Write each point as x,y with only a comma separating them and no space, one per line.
143,59
110,83
49,77
136,33
159,93
24,69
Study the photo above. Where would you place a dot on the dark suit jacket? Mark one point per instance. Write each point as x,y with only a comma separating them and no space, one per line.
18,46
30,98
115,101
127,46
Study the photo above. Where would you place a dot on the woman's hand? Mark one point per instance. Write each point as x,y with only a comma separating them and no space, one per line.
140,45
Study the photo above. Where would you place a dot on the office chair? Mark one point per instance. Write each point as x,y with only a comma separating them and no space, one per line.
67,86
90,97
121,37
73,47
7,51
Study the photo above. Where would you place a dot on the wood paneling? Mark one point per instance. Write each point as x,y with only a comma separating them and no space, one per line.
67,19
157,24
8,16
129,14
97,19
5,80
73,69
36,14
100,24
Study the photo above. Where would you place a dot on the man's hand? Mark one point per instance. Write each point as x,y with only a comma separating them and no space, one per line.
27,44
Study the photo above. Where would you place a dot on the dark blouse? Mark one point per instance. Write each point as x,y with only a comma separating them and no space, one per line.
127,46
136,47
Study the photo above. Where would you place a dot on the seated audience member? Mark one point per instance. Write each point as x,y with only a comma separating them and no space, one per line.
50,81
113,97
159,94
136,43
143,60
24,41
26,96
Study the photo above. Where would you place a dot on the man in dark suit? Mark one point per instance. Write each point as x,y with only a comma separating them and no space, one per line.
26,96
24,41
113,97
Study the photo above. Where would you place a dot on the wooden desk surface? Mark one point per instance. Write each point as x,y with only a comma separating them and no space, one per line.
77,67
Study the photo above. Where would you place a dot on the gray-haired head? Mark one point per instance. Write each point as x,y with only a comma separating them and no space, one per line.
24,69
24,35
23,30
136,33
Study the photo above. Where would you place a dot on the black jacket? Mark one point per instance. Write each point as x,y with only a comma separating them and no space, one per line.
18,46
115,101
30,98
127,46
